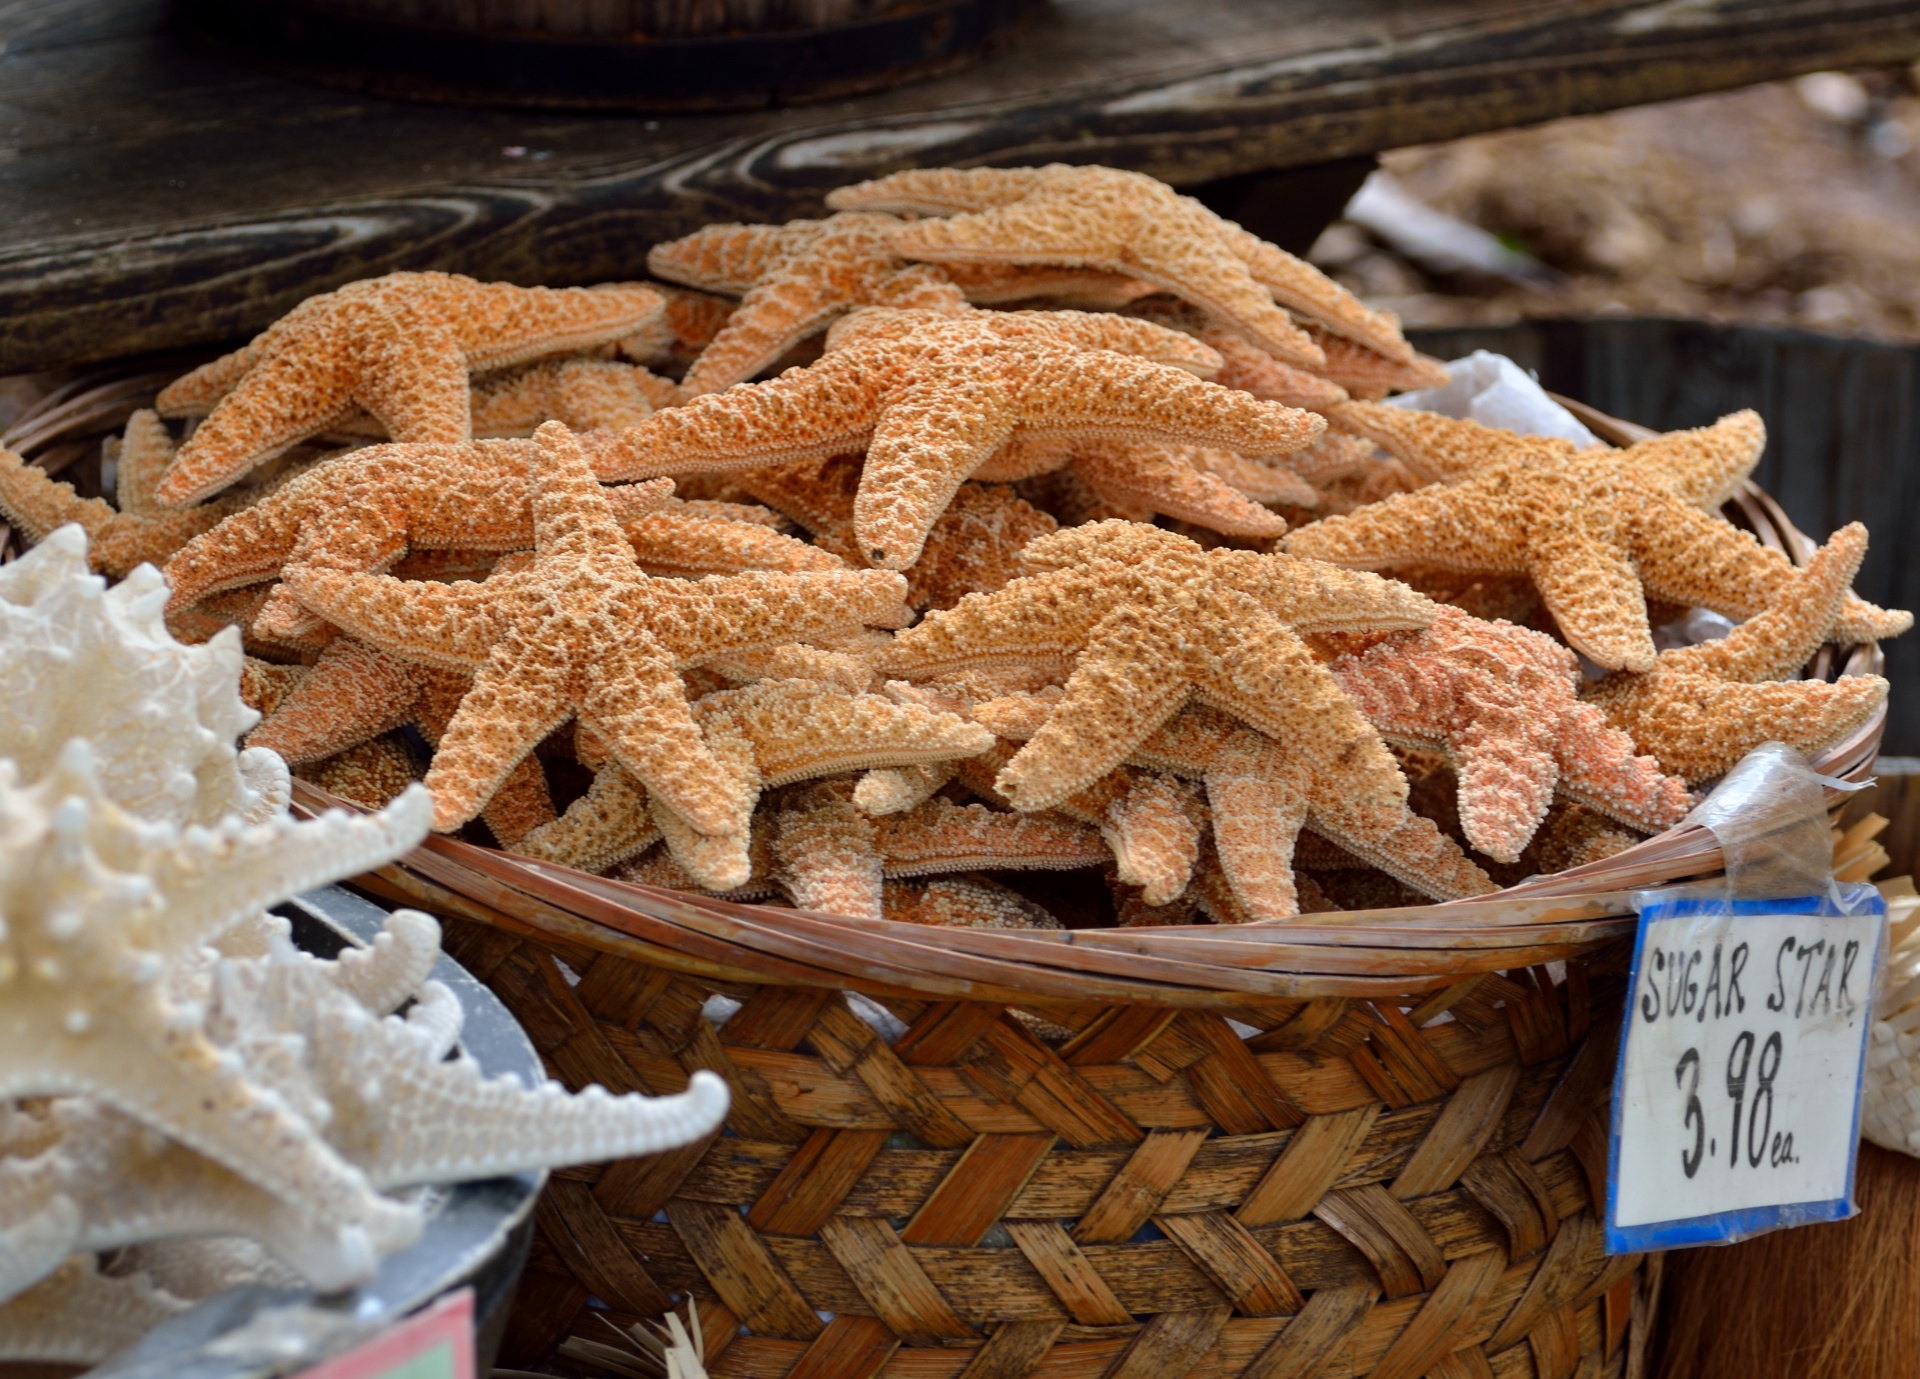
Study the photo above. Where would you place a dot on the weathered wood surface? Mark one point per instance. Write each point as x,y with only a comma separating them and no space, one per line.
1843,426
157,193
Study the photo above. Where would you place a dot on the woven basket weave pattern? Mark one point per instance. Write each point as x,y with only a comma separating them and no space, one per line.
1342,1194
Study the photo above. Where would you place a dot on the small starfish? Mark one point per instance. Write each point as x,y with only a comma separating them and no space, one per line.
400,347
586,394
830,857
971,548
1148,620
1501,702
117,540
930,399
1122,222
1599,531
793,280
584,632
1701,708
962,902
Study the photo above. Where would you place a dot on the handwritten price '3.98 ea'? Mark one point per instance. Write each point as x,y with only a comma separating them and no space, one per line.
1763,1143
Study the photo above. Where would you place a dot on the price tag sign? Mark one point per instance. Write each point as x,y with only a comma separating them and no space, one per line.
1737,1097
433,1344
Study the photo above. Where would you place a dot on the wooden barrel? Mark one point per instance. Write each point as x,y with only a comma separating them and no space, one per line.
629,54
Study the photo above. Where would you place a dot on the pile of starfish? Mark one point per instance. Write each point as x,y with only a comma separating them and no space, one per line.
1004,521
188,1101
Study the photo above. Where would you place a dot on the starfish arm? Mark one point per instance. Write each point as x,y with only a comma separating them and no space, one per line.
498,325
896,789
413,377
939,191
1303,289
729,258
940,836
1588,581
352,693
1508,768
1264,483
1152,827
635,701
1249,368
826,409
604,827
1773,645
243,548
146,449
777,314
1369,375
1600,768
586,394
1121,689
1442,449
451,626
1105,330
116,541
687,546
1102,393
1704,466
717,860
1177,253
517,698
927,442
1450,527
826,856
1259,803
1699,727
1312,596
520,803
1166,480
801,728
1260,672
573,522
724,615
196,393
1404,845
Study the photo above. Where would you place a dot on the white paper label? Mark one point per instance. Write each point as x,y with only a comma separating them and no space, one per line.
1739,1085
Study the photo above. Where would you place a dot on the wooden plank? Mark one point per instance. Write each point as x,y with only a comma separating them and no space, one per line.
163,194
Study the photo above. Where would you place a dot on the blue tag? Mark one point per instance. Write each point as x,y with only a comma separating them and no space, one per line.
1736,1100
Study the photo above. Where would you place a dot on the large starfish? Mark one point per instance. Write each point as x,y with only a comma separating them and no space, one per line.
793,280
971,548
1701,708
930,399
400,347
1122,222
136,532
830,857
1501,702
585,633
1148,620
1598,531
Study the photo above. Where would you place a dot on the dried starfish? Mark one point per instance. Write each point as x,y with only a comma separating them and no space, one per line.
929,399
1122,222
86,661
374,774
830,857
971,548
1244,365
962,902
1501,702
80,1316
793,280
1077,289
1368,373
1148,620
1701,708
583,632
120,539
1136,479
400,347
1598,531
586,394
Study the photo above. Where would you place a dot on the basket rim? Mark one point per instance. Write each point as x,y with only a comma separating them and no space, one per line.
1365,954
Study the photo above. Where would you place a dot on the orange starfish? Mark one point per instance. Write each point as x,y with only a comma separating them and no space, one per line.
962,902
1148,620
1501,702
117,540
1244,365
586,394
585,633
1368,373
930,399
793,280
1701,708
1598,531
1135,479
1122,222
400,347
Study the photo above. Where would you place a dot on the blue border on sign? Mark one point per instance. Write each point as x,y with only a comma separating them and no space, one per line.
1728,1226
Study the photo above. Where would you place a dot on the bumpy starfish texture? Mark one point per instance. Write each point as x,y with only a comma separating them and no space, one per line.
929,399
1368,373
117,540
586,394
400,347
1127,223
1701,708
80,1316
962,902
1077,289
1148,620
1599,532
793,281
1244,365
1501,702
583,632
1136,479
86,661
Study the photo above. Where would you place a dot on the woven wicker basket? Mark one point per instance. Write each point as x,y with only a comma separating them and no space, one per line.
1259,1152
1361,1144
